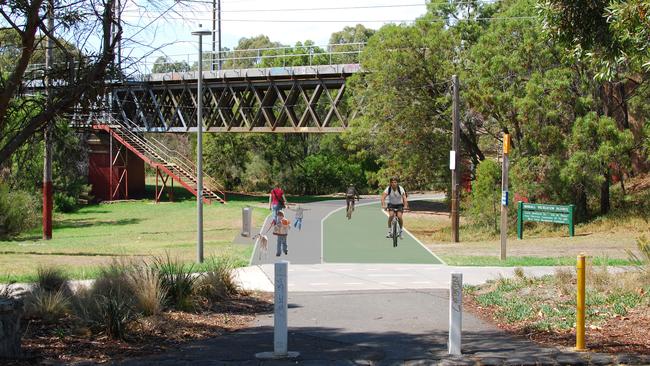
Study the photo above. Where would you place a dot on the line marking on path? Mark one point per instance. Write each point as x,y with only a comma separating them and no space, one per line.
421,282
319,284
390,275
352,283
388,283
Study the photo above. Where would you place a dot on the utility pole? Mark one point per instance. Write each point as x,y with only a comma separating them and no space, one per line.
216,35
454,165
47,163
504,193
119,42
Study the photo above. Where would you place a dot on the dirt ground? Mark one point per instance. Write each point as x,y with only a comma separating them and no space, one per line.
65,342
622,334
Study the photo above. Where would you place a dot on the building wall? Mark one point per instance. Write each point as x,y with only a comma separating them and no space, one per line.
99,170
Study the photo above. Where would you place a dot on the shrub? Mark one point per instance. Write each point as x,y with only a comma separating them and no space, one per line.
115,313
486,193
147,287
18,211
64,202
109,304
47,305
51,279
178,282
218,283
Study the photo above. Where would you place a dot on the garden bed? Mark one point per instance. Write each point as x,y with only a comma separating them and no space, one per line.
544,309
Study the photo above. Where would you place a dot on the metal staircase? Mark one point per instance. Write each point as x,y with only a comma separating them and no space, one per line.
157,155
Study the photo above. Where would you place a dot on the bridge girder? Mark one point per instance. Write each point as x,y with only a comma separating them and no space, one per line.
306,102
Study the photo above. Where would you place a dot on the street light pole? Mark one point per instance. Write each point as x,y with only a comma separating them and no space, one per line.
199,148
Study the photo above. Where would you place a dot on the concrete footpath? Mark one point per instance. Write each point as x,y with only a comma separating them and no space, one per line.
368,313
390,327
380,321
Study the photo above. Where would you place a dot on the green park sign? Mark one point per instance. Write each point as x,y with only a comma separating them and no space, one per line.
556,214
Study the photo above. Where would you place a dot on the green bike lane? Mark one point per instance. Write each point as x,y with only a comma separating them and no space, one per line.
362,239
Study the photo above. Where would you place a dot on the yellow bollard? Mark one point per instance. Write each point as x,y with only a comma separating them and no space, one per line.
580,305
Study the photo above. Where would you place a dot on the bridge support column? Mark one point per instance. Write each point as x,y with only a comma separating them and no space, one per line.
164,179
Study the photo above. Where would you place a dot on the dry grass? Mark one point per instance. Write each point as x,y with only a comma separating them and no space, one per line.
147,285
52,279
50,306
218,283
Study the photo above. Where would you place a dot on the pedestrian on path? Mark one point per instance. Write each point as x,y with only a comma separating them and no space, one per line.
281,228
297,219
277,201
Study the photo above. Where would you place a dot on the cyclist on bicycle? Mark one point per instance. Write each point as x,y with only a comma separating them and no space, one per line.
350,195
397,199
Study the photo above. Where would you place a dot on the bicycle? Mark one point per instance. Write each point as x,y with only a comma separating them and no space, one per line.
350,209
395,229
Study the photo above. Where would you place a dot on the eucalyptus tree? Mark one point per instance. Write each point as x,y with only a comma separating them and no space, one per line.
79,75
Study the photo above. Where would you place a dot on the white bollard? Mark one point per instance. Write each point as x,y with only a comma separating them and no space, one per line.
281,307
246,221
280,310
455,313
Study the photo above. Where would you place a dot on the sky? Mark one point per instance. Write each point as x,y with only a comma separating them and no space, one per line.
284,21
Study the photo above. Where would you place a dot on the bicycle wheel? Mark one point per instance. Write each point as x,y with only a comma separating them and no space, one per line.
394,230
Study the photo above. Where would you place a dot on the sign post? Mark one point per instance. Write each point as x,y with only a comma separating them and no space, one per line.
556,214
504,195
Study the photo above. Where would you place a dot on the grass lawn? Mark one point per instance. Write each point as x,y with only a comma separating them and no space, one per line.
605,240
97,234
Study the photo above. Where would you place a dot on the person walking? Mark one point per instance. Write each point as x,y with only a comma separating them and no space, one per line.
281,228
297,219
277,201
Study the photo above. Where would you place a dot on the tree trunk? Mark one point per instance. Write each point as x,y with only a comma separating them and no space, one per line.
11,311
604,194
581,205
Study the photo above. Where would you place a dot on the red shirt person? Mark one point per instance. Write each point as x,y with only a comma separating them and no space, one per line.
277,201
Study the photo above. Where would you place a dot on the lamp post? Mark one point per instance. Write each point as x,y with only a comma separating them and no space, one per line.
199,148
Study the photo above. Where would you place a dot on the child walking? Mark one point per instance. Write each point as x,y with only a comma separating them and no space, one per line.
297,220
281,228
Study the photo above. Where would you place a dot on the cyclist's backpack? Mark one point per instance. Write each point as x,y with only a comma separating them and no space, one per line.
351,191
399,190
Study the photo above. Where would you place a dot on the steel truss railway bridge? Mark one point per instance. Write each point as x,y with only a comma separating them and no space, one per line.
300,99
288,99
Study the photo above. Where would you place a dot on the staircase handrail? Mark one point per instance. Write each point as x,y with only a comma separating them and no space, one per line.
156,147
188,164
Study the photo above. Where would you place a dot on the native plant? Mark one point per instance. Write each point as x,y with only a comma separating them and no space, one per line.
642,259
218,283
178,282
